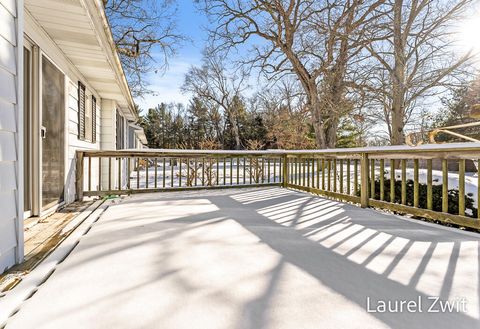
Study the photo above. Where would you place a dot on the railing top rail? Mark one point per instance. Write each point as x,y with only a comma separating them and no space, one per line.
171,152
398,149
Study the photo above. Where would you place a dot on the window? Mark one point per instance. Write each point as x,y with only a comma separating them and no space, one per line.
94,119
120,132
81,111
87,116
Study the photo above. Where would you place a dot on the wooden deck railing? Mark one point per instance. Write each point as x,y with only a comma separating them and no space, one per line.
426,181
134,171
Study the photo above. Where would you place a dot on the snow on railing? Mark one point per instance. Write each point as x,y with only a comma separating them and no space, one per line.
438,182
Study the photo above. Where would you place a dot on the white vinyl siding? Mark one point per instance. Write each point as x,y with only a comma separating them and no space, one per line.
10,226
74,143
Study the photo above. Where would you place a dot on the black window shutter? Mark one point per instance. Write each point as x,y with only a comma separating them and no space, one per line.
94,119
81,111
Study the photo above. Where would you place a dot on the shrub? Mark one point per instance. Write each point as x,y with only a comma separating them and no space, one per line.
453,197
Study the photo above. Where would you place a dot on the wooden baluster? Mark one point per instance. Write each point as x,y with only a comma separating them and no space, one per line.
155,184
313,173
120,173
268,170
238,171
372,178
195,171
382,179
129,169
429,184
364,176
404,181
164,172
217,181
100,173
89,173
203,171
296,171
416,185
189,181
274,170
392,181
329,174
478,189
210,172
244,170
348,177
224,171
146,173
341,175
355,177
138,173
318,173
263,170
231,171
250,166
323,174
461,187
179,172
334,175
445,185
172,164
307,165
110,174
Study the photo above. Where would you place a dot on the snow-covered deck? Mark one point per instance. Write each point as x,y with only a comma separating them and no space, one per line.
257,258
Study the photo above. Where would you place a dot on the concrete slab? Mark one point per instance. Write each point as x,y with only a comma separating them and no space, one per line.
258,258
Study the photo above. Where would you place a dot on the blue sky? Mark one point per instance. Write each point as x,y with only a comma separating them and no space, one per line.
166,87
191,23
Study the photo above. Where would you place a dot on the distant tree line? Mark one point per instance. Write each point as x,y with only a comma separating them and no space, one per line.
268,120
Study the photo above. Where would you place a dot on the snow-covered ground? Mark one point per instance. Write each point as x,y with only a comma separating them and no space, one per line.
227,175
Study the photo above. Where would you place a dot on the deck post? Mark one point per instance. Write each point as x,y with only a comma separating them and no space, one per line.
364,180
79,177
285,171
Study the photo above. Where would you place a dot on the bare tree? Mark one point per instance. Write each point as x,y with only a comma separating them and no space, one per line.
286,116
139,28
314,40
414,57
218,87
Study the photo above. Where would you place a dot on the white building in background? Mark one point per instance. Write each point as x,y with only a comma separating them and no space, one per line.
62,88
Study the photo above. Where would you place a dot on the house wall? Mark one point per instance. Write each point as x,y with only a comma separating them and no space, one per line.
11,195
109,142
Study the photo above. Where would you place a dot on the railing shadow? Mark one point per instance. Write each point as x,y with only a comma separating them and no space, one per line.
356,253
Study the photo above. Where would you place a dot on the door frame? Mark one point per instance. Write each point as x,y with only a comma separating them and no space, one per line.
34,169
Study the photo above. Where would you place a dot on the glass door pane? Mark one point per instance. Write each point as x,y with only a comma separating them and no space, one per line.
52,133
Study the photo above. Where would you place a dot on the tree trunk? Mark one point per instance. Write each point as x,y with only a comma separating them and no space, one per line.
318,120
398,84
235,131
397,126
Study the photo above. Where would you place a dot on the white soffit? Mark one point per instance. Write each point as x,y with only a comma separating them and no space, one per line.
78,28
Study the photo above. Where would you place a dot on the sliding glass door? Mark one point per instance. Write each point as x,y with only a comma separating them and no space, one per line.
52,134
